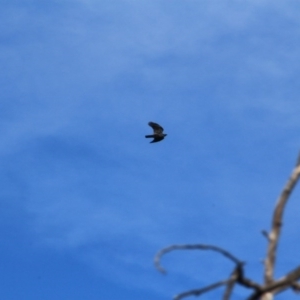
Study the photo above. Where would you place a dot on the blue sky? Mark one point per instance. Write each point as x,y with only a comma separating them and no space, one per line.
86,201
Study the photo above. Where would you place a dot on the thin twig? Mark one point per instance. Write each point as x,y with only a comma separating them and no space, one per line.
231,283
191,247
199,292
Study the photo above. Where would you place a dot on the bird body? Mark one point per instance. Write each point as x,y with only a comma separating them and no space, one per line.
158,134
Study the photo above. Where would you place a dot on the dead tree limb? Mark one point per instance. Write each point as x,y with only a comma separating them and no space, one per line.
236,277
271,286
273,236
231,283
281,284
198,292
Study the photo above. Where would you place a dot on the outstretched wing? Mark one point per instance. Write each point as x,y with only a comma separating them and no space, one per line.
156,127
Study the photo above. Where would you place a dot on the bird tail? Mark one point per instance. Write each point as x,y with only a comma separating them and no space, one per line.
149,136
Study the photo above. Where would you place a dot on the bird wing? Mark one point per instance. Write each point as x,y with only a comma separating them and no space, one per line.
156,127
157,139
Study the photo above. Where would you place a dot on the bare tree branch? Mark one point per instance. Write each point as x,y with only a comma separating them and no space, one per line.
247,283
277,223
295,286
231,283
284,282
191,247
199,292
279,285
271,287
236,277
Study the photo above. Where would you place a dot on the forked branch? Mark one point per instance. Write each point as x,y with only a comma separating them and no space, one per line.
237,275
270,287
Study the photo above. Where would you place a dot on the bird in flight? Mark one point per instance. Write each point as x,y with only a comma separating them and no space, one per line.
158,134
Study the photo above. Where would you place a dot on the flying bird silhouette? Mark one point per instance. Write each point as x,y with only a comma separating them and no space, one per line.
158,134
